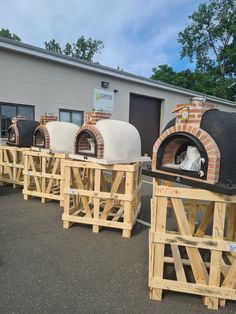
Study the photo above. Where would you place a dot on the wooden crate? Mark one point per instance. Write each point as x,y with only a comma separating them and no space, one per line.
44,175
12,165
99,195
197,257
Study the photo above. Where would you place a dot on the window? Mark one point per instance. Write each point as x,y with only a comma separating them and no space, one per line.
72,116
8,111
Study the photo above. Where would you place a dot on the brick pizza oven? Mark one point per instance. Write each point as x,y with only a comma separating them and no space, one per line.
199,144
55,136
107,141
21,131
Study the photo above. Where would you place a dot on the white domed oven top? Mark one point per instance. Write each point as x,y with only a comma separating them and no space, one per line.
108,142
56,136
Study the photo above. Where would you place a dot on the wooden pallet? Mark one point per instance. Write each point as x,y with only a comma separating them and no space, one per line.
193,257
12,165
101,195
44,176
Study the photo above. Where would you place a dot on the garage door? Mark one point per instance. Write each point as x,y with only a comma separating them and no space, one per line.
144,114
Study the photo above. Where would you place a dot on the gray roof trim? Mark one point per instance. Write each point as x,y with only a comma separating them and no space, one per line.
20,47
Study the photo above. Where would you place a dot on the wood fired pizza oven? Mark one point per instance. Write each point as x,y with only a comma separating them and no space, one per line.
198,144
107,141
21,131
55,136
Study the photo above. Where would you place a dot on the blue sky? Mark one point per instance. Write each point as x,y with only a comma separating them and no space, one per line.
138,34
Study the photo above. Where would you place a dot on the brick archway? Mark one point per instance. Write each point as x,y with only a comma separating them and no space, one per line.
97,135
207,141
44,131
17,135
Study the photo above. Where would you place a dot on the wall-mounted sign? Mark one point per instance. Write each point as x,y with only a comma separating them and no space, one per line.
103,100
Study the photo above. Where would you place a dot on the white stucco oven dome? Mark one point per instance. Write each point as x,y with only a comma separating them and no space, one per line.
56,135
108,142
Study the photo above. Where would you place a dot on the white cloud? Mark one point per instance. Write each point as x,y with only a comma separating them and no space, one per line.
137,34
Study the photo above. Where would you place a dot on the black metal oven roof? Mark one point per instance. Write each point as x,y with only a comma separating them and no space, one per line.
26,130
222,128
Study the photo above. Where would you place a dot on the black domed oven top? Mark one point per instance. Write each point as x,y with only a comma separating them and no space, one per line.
199,146
21,133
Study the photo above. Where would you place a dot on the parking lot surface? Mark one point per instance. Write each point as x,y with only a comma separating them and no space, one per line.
46,269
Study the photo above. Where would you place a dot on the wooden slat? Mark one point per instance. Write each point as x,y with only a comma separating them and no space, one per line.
32,166
192,214
198,267
117,167
205,221
99,222
128,205
96,200
216,256
157,249
79,183
179,269
194,288
194,194
114,188
230,279
190,241
54,172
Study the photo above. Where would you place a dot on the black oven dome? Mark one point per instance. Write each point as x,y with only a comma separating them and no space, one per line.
26,130
222,128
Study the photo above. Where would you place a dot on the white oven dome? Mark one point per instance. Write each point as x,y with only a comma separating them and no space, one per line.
113,142
61,136
121,140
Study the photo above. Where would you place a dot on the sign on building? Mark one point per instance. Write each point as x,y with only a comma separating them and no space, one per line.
103,100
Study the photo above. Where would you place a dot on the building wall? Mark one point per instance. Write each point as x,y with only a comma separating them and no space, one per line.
50,86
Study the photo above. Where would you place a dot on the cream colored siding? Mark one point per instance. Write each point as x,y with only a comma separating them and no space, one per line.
49,85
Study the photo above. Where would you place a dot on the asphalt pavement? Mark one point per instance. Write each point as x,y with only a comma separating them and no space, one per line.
46,269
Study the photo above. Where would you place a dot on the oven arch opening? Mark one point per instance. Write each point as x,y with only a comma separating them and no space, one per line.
12,136
39,139
182,153
86,144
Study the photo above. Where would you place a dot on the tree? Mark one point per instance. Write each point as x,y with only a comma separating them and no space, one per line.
210,39
83,48
204,82
52,45
4,32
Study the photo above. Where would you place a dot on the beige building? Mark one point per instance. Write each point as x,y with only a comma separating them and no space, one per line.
34,81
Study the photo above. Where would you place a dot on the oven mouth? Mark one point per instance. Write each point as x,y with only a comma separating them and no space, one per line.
39,139
183,154
86,144
12,136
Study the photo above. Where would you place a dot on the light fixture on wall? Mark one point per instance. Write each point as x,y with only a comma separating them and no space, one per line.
105,84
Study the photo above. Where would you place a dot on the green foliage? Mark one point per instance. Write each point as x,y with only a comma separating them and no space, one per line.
4,32
83,49
52,45
209,41
210,38
204,82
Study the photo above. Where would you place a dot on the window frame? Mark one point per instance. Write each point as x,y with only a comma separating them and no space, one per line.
16,105
70,111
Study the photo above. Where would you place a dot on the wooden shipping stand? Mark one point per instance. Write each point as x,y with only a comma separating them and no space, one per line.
44,175
12,165
102,195
198,254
